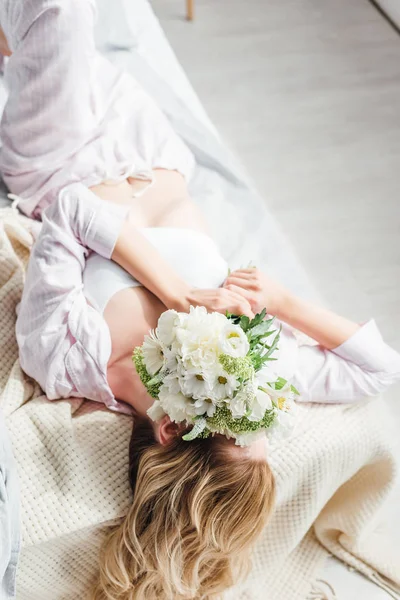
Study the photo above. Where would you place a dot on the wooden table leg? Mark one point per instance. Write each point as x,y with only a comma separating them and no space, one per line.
190,10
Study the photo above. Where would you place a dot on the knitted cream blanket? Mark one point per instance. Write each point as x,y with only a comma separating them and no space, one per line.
333,477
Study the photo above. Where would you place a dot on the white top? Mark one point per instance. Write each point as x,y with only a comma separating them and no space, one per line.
193,255
65,344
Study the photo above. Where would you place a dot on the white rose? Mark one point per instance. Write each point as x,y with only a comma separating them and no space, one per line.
233,341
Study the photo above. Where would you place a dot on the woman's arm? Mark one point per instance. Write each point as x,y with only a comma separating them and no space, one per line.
324,326
64,343
350,361
138,257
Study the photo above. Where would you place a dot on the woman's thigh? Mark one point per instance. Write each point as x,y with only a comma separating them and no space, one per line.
165,203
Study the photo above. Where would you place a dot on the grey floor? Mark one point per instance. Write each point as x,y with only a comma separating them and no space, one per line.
308,96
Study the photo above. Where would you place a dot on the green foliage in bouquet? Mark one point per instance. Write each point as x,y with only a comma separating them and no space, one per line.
152,384
222,420
263,342
257,330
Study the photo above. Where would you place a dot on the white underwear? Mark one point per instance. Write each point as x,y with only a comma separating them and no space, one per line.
193,255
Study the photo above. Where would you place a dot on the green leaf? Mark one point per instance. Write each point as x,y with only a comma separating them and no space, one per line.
255,321
244,322
275,343
261,329
258,318
294,390
280,383
234,318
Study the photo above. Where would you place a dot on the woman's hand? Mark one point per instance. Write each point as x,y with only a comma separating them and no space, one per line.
260,290
218,300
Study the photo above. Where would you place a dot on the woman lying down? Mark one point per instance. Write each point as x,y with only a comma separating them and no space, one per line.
122,252
204,399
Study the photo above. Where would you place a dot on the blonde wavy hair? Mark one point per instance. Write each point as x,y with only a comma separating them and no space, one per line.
196,512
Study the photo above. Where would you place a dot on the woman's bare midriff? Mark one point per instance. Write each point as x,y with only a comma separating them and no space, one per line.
132,312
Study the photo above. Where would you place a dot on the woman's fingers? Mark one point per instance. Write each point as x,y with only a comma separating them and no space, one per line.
246,273
240,305
222,300
238,289
242,282
250,295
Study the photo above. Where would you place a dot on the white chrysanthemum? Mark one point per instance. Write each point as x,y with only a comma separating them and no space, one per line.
171,359
153,354
233,341
156,411
166,326
195,385
261,403
176,405
222,385
205,406
172,382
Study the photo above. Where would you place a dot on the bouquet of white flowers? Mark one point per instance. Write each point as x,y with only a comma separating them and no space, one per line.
211,370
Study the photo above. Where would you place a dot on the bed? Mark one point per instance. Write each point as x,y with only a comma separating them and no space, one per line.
72,455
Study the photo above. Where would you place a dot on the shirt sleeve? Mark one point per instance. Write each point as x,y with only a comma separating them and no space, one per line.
51,110
64,343
362,366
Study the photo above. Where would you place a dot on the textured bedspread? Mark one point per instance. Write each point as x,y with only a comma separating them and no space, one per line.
335,473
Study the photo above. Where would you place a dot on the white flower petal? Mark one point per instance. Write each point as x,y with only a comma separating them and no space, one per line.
166,326
156,412
233,341
153,355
